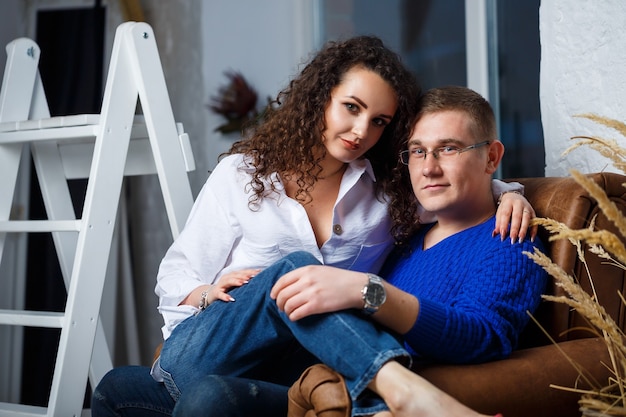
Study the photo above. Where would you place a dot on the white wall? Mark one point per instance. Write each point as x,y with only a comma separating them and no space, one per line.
583,70
264,40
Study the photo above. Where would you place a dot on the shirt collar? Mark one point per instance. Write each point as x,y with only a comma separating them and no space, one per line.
362,165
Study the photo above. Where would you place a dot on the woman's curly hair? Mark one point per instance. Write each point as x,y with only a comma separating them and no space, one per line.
289,141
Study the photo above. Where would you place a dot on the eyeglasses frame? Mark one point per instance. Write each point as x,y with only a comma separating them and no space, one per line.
435,152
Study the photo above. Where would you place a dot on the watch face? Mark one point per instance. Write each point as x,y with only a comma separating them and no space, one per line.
375,294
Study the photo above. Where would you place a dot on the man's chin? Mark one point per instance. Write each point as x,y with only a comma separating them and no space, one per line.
432,204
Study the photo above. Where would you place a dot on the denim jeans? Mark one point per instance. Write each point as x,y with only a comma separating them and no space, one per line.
223,396
131,391
251,338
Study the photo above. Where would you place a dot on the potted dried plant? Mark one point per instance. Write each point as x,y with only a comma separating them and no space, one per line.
609,399
237,103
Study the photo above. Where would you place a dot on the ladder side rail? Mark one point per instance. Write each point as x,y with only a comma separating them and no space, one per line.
39,103
101,359
58,204
13,270
164,140
94,240
18,82
16,92
53,184
21,96
57,201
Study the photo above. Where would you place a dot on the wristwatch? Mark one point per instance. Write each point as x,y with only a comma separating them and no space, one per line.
374,294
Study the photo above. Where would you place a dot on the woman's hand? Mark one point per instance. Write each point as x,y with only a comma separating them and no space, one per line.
515,210
219,290
318,289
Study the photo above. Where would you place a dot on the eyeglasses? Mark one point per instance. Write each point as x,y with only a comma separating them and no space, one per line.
445,152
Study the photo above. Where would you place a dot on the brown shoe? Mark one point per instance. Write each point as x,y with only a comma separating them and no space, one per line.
319,392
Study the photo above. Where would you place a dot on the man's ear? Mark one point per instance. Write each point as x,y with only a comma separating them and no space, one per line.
496,152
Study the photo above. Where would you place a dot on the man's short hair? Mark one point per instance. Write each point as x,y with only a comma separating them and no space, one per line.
461,99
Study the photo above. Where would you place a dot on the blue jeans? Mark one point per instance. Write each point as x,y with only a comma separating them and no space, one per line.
130,391
251,338
223,396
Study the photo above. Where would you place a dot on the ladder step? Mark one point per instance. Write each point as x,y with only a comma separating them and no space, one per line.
21,410
51,122
77,120
40,226
30,318
86,132
82,127
77,157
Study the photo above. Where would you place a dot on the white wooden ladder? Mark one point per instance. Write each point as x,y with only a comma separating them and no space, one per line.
102,148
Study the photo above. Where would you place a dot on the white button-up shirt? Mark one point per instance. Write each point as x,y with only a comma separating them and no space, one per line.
225,233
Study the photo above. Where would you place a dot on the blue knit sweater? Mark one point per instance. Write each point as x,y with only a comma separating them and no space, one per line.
473,295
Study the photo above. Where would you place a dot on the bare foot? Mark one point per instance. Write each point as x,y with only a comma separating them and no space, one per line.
408,394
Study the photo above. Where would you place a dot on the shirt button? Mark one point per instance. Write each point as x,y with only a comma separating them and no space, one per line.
337,229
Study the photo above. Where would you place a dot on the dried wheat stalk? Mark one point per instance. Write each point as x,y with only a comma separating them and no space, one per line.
611,398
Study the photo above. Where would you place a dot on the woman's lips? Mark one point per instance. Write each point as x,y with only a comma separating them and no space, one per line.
350,145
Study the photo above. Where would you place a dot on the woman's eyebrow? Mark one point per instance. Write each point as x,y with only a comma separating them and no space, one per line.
362,103
358,100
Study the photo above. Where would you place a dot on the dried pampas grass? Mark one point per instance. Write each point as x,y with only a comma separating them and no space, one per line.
608,148
607,399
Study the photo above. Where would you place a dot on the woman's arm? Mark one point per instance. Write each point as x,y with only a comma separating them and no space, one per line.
197,257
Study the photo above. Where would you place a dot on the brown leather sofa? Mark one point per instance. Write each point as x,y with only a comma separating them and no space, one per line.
520,385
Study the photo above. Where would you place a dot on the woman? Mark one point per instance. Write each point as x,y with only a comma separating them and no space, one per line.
312,177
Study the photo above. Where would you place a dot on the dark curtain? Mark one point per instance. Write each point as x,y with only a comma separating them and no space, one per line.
71,67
